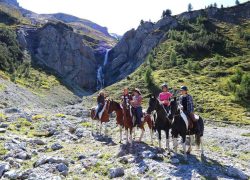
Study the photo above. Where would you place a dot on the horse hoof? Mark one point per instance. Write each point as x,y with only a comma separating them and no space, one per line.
188,152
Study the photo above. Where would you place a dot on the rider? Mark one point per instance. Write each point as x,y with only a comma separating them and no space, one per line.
164,97
126,97
186,100
100,103
136,104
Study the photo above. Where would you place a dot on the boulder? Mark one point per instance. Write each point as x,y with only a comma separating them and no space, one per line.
116,172
3,168
23,155
2,130
56,146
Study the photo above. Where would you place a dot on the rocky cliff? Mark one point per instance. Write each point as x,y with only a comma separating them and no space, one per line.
58,48
135,45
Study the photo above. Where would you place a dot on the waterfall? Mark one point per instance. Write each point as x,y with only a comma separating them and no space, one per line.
106,57
100,71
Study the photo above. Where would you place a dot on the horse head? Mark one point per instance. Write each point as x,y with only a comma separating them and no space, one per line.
113,106
152,104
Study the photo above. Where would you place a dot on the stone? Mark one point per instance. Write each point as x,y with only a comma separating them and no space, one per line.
62,167
3,168
13,174
2,130
148,154
39,142
79,132
116,172
80,157
175,161
56,146
56,160
4,126
236,173
23,155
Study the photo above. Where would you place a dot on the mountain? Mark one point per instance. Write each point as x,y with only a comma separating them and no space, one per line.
78,45
207,50
131,51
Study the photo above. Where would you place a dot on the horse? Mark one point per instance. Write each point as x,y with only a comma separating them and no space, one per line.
180,127
104,118
161,119
124,119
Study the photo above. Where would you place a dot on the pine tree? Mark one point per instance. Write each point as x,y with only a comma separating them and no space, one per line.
222,6
173,58
190,7
237,2
215,4
148,77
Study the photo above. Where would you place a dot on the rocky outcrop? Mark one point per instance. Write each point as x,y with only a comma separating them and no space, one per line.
58,48
135,45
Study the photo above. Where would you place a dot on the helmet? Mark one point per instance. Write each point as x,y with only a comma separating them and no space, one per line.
164,85
184,88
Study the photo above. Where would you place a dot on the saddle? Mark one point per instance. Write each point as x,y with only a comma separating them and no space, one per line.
99,115
190,120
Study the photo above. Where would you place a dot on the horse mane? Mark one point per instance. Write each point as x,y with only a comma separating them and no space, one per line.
117,104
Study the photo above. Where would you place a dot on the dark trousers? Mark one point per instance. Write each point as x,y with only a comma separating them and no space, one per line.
138,115
195,123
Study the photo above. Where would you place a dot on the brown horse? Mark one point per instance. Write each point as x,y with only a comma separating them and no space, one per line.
104,118
124,119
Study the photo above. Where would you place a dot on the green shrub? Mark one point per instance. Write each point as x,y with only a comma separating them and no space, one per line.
243,90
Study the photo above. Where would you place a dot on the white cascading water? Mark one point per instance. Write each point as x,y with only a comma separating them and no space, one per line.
100,73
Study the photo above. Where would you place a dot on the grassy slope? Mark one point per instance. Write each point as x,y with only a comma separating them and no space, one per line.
206,85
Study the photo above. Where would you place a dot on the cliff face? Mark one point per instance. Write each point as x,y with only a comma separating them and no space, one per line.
57,47
131,51
135,45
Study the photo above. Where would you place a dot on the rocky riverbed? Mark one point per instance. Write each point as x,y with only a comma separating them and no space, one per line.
62,143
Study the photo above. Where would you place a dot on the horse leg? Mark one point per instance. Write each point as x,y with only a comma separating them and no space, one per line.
142,133
120,134
151,136
175,144
201,144
134,133
159,137
184,146
167,140
127,136
130,136
191,137
105,130
100,130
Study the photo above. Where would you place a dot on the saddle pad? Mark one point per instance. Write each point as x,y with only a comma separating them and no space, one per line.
101,112
184,117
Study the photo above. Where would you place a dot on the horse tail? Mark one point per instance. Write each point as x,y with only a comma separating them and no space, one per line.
198,136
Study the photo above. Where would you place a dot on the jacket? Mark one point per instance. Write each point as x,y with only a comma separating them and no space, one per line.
190,103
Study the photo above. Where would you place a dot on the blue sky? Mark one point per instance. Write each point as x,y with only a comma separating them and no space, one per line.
118,15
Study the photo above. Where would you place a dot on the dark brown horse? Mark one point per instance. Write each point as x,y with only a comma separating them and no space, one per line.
124,118
104,118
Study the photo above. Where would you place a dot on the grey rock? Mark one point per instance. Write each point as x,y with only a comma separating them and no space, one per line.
55,160
23,155
68,55
143,168
3,168
62,167
79,132
4,125
56,146
175,161
149,154
13,174
38,142
12,110
80,157
2,130
116,172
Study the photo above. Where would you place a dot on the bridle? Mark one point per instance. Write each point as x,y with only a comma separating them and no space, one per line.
154,109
